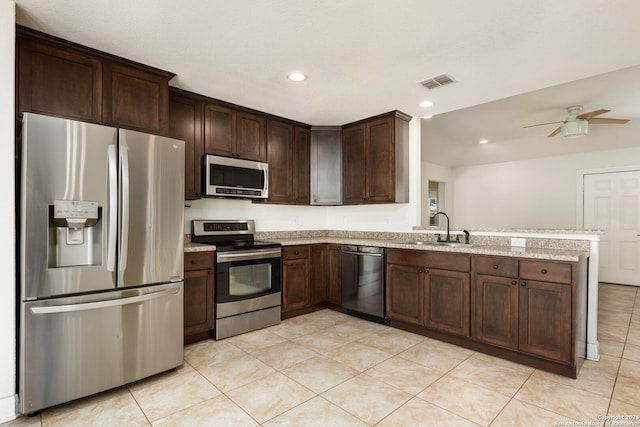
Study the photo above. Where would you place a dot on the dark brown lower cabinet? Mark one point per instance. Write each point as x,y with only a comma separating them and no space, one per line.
405,293
311,277
447,301
318,273
334,273
199,302
296,293
545,319
495,310
437,298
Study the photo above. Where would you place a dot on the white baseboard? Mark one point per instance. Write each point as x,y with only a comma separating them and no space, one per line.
593,352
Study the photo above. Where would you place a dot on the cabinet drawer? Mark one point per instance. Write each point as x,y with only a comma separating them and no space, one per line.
407,257
198,260
545,271
422,258
495,266
295,252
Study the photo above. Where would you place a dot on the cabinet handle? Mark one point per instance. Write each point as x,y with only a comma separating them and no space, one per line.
426,271
514,282
420,270
496,266
543,271
523,284
210,272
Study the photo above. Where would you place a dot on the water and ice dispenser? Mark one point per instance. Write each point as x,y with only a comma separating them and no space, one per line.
75,238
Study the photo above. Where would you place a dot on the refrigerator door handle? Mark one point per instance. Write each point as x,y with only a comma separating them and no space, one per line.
112,229
124,185
66,308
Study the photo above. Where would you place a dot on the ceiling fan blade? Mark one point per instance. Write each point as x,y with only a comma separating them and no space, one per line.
555,132
587,116
544,124
603,121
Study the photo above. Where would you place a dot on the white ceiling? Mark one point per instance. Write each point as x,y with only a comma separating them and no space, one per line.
365,57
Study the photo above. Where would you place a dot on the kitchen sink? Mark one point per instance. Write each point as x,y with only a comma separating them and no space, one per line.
429,243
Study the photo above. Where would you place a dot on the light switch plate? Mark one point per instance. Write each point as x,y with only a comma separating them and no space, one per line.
518,242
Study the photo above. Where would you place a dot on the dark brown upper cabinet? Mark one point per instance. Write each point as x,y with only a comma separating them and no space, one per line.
64,79
234,133
375,160
135,99
288,158
185,123
57,82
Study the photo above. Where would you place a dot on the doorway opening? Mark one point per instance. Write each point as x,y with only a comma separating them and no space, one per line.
435,202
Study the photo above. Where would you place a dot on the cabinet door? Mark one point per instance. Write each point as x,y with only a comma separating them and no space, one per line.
495,310
380,163
545,319
447,301
279,154
250,141
185,123
135,99
295,284
318,273
219,130
301,186
198,301
326,166
353,164
58,82
334,272
405,293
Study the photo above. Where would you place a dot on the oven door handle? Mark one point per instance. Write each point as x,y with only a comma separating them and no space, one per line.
248,255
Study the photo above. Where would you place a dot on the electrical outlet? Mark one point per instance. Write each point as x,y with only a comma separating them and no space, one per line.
518,242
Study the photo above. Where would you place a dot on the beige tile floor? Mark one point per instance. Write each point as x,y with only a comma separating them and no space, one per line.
329,369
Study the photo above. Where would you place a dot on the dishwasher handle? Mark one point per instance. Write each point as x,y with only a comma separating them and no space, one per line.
360,253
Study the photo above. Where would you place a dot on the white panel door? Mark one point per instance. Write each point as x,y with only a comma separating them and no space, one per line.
612,204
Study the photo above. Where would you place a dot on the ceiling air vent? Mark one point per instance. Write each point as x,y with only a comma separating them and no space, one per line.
437,81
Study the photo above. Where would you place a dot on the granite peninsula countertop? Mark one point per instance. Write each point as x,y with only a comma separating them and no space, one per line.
536,248
533,253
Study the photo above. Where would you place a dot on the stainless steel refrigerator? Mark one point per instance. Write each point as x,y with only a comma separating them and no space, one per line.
101,258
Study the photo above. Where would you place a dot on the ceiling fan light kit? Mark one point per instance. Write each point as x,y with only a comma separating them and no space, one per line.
577,124
575,128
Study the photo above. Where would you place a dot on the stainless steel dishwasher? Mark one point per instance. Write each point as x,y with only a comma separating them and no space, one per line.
363,278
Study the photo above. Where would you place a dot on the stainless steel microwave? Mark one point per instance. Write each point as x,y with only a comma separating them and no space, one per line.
236,178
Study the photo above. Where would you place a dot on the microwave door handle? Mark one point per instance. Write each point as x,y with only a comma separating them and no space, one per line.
112,205
124,194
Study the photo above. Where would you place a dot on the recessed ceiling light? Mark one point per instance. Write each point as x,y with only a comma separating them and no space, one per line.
484,141
426,103
426,117
297,77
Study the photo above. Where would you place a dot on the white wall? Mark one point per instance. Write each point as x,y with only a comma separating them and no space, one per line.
7,213
387,217
538,193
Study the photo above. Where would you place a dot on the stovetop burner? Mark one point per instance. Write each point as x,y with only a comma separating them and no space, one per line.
228,235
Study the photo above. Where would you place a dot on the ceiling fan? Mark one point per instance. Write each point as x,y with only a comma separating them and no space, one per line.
577,123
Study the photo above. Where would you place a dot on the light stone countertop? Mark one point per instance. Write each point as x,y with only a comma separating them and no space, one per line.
533,253
198,247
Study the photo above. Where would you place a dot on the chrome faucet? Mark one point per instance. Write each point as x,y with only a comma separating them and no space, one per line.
448,234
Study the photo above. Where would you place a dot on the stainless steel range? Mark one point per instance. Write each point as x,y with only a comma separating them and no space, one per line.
248,276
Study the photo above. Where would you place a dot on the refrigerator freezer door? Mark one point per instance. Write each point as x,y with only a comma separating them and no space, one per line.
64,168
77,346
152,209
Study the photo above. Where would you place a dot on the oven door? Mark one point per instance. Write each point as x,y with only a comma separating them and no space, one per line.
243,275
